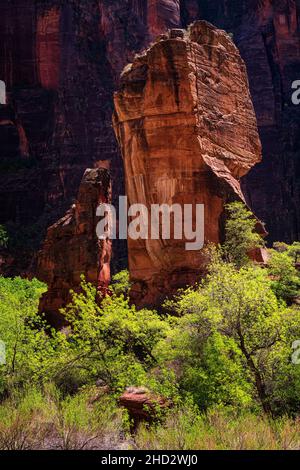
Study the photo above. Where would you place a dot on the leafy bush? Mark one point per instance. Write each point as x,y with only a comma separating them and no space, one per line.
121,283
241,236
36,420
112,341
232,342
32,350
22,421
286,278
81,425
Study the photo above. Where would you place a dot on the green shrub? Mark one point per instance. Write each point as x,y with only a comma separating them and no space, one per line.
120,283
112,341
23,419
33,351
240,234
81,425
232,334
286,278
41,420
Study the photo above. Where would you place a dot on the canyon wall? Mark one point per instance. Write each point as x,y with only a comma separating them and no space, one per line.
187,130
61,61
267,33
72,248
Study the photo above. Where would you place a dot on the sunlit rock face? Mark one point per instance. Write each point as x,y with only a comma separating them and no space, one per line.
72,248
187,130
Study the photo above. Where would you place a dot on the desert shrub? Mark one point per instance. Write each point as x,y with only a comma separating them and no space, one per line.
23,419
82,425
183,429
35,419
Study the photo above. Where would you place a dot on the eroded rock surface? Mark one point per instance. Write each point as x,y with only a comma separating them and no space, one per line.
72,248
187,130
61,61
141,404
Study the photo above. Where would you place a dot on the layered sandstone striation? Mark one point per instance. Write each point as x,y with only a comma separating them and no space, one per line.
72,248
187,131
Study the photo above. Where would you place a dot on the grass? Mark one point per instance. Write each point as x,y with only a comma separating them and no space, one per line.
47,421
217,430
89,420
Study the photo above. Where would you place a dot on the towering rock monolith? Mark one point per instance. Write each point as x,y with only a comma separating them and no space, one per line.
72,248
187,131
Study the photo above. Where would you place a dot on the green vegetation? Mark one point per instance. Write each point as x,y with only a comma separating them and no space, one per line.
241,236
221,357
120,283
286,280
3,237
187,429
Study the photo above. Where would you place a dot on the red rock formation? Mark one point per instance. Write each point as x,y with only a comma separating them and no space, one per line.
141,404
187,131
61,61
71,247
260,256
48,47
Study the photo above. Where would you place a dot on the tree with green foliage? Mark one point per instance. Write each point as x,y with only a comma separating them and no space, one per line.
285,277
232,335
240,234
292,250
121,283
30,346
112,341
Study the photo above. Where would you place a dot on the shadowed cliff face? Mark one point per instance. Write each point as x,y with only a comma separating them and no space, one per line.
187,129
267,35
61,61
